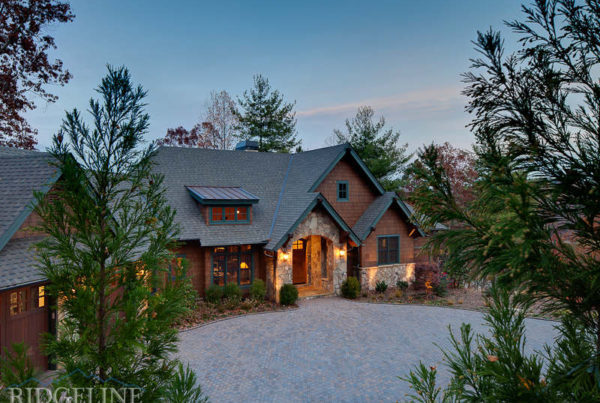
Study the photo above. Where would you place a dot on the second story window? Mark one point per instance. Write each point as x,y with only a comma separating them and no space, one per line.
342,191
229,215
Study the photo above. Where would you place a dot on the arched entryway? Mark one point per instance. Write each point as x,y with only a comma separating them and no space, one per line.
312,265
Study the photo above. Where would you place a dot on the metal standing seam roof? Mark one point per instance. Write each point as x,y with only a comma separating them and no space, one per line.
219,193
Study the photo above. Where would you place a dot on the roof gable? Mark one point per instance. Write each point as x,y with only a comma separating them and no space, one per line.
22,173
348,150
376,210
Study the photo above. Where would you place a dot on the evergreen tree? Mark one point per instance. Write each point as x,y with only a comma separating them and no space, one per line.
108,250
264,116
532,224
378,147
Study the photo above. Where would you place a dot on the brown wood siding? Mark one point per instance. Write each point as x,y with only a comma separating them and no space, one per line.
360,191
26,230
194,255
26,327
392,223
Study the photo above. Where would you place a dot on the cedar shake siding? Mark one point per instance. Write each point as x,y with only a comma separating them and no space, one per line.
391,223
361,192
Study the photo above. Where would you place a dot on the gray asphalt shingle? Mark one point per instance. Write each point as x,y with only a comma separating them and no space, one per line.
262,174
21,173
18,264
362,228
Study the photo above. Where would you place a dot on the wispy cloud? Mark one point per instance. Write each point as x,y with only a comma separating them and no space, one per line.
428,100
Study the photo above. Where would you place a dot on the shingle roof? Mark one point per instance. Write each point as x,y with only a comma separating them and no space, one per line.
280,182
21,172
363,226
375,211
18,265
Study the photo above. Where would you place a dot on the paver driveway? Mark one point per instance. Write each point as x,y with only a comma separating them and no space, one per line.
328,350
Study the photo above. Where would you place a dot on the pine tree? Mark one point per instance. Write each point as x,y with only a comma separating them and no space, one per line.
532,224
379,148
264,116
108,250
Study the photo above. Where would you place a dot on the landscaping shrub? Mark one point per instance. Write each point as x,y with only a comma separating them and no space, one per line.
426,272
441,288
184,387
213,294
288,294
258,290
232,292
381,286
402,285
350,288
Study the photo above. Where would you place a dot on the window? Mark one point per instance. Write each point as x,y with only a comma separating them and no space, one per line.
388,249
39,296
229,215
232,264
342,191
17,302
175,267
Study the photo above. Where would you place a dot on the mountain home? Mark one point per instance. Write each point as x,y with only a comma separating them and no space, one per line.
310,219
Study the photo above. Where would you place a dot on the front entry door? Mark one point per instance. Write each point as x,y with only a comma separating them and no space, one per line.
299,262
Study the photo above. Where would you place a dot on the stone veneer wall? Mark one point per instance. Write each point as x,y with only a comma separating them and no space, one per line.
369,276
316,223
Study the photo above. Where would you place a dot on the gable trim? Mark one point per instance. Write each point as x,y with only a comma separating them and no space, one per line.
338,220
404,209
348,149
14,227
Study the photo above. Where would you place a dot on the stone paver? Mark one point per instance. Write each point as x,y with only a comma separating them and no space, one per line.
330,349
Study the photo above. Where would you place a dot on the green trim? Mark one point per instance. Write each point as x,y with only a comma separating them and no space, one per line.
367,171
307,211
376,220
329,168
337,185
360,163
223,221
404,209
240,253
388,236
14,227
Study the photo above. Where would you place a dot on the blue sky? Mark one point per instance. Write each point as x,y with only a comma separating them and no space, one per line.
404,58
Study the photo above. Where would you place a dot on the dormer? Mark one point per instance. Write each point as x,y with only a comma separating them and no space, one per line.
224,204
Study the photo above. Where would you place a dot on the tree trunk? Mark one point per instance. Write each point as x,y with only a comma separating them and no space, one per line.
101,315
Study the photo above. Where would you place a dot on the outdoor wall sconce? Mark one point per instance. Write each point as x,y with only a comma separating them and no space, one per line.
341,252
285,256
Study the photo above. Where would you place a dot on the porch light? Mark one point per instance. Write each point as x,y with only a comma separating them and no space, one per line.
285,256
342,252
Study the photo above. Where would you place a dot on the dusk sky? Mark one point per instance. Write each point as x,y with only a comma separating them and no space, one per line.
404,58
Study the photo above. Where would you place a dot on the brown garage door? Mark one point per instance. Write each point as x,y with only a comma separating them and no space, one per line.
24,318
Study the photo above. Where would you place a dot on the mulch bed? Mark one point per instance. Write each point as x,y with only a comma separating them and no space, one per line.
206,312
462,298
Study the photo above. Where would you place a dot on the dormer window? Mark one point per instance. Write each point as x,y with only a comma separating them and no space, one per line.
342,191
229,214
224,205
